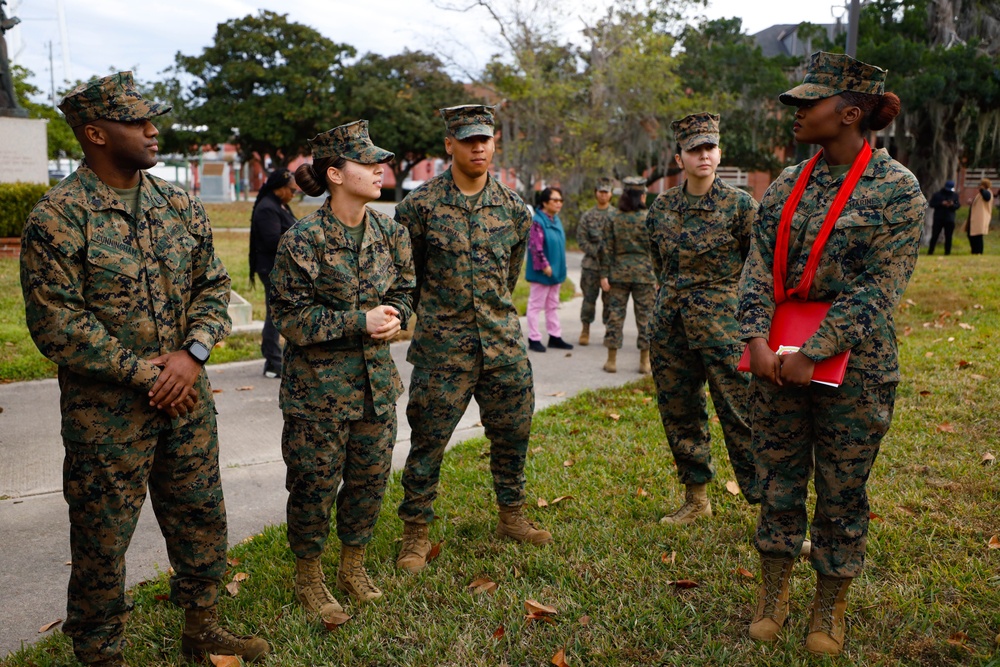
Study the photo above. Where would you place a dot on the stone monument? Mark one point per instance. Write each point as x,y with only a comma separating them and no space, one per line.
24,149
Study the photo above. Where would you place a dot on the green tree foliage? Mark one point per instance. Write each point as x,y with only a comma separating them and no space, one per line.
723,66
400,96
943,63
62,142
266,83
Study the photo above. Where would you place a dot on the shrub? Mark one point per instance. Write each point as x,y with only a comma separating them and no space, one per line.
16,202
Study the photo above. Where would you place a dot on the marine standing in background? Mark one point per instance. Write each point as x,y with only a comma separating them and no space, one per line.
627,269
700,233
341,288
124,292
590,238
469,234
271,217
862,272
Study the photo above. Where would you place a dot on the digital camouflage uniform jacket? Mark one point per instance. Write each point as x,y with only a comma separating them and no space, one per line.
625,256
590,236
698,253
103,293
864,269
321,288
467,264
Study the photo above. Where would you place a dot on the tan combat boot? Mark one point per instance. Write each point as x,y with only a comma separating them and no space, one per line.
772,599
413,554
585,334
514,526
310,590
352,577
826,622
204,636
644,362
696,505
611,365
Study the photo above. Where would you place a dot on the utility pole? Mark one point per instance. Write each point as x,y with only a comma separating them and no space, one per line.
52,76
852,28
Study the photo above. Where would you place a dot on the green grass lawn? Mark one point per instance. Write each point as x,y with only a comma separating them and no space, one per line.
20,359
930,594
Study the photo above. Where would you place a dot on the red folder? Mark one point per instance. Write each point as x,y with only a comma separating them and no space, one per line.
794,322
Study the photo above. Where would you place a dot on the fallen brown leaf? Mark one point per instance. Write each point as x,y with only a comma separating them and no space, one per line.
994,542
929,355
540,617
224,660
647,399
483,585
925,392
614,415
217,391
977,376
907,331
945,427
963,363
966,326
958,639
241,576
743,572
162,597
233,587
683,583
542,502
733,488
585,621
335,620
568,462
669,560
559,659
435,551
988,459
499,633
232,562
907,511
535,607
535,450
641,492
875,517
248,387
558,393
49,626
560,499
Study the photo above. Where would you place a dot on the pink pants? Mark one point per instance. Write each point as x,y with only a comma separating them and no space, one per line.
543,296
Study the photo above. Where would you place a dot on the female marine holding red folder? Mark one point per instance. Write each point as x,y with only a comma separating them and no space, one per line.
841,229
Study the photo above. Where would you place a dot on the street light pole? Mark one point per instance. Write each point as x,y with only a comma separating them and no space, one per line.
852,28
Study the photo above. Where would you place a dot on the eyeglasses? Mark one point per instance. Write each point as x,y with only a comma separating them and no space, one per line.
553,199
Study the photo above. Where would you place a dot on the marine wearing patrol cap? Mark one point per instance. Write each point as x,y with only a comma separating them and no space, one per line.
830,74
634,183
696,130
469,120
113,97
350,141
604,185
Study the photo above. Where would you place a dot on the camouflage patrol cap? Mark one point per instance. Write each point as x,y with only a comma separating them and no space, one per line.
349,141
696,130
830,74
469,120
604,185
634,183
113,97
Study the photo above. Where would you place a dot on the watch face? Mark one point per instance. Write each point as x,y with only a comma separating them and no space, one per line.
199,351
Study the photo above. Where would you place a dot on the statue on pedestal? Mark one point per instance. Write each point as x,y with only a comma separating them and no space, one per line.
8,99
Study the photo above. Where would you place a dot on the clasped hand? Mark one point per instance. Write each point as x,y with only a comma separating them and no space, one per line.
794,369
382,322
174,392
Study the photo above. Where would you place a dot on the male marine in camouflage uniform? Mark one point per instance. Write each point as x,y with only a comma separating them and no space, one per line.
700,232
590,238
627,269
469,234
123,290
800,426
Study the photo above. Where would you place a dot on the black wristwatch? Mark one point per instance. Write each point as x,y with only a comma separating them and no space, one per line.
198,351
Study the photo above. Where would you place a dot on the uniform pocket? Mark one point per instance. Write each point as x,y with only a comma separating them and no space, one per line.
116,257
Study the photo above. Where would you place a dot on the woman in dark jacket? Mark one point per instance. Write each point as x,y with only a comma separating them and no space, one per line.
270,219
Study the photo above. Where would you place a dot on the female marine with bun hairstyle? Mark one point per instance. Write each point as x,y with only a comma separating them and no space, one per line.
341,289
843,230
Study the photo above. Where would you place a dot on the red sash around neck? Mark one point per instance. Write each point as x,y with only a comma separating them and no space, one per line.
801,291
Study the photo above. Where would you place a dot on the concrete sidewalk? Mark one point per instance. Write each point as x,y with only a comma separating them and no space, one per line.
35,529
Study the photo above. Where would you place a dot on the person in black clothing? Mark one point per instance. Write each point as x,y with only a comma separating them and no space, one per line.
270,219
945,203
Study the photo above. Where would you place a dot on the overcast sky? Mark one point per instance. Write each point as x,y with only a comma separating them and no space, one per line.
124,34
